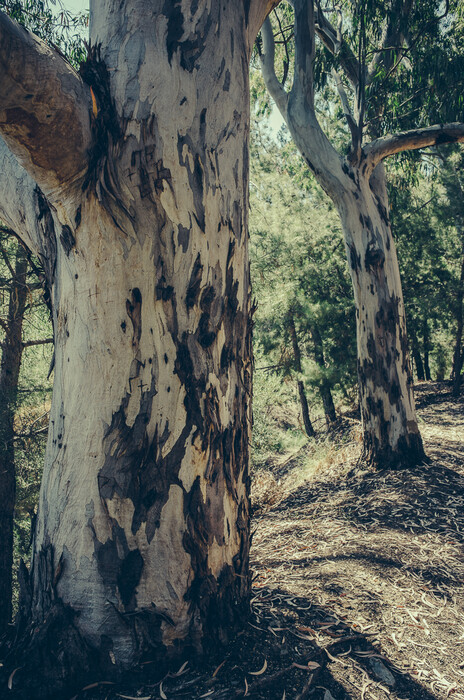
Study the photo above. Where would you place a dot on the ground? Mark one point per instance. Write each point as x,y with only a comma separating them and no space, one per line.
358,581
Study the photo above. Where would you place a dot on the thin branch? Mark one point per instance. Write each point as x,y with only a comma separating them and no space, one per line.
287,55
43,341
267,60
333,41
347,111
436,135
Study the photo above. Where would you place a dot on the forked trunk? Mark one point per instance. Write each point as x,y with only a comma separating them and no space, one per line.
391,435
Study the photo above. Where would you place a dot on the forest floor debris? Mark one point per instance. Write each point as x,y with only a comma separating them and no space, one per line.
358,583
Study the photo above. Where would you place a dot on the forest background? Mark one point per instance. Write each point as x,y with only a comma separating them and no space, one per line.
304,334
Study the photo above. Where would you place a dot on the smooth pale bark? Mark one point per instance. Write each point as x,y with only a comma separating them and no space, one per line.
142,536
12,348
391,434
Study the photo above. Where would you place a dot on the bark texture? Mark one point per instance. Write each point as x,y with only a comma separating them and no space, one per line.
142,536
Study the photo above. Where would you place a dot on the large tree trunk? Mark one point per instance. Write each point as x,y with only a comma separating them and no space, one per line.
391,435
9,375
143,531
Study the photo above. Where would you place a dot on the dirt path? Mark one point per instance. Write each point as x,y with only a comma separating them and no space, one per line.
381,559
358,585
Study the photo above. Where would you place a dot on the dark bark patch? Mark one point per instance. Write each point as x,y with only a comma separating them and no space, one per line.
226,86
67,239
206,336
134,311
129,575
78,216
355,258
193,289
374,258
183,237
164,291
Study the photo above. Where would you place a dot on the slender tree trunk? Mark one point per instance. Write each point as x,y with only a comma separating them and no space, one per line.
324,388
458,350
416,356
426,337
301,389
9,375
391,435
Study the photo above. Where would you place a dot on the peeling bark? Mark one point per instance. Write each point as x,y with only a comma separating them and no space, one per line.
391,434
142,538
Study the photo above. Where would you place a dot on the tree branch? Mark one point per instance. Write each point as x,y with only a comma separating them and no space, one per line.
25,210
267,60
333,41
44,341
355,135
438,134
44,108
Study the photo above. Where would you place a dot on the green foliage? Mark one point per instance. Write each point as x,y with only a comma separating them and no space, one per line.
53,23
428,224
298,268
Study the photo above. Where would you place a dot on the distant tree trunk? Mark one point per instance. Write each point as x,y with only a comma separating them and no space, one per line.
458,350
391,434
426,337
301,390
416,356
12,349
324,387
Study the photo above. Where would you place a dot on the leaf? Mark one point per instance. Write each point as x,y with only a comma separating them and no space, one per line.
10,679
261,670
205,695
95,685
132,697
163,695
246,688
182,669
219,668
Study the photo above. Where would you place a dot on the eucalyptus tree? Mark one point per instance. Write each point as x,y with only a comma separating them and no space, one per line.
383,39
142,536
